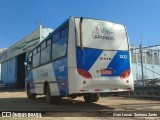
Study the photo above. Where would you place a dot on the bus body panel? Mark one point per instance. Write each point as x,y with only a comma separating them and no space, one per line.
61,75
72,64
94,60
102,35
72,36
56,74
38,76
109,52
93,64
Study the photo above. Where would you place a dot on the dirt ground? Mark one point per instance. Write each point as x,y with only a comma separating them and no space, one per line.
16,101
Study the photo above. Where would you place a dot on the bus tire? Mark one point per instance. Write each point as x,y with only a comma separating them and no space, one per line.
91,97
29,94
73,96
51,99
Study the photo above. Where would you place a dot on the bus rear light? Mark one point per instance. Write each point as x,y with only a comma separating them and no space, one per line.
84,73
82,90
125,74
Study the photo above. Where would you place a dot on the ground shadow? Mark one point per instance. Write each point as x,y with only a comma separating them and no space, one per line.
39,104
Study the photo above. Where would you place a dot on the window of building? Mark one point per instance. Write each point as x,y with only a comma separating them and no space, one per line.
149,59
156,59
139,58
133,58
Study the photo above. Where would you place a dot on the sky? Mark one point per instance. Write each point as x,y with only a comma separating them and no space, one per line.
18,18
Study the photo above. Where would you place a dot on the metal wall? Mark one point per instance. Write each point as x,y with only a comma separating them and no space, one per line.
150,61
9,72
1,50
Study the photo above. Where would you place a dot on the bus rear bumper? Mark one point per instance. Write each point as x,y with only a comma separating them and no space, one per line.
101,88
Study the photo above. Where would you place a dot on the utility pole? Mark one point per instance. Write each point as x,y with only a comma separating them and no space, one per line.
40,27
141,61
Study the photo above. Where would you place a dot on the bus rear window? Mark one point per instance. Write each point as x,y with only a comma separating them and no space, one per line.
103,35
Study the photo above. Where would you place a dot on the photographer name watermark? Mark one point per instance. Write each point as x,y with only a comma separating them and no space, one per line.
135,114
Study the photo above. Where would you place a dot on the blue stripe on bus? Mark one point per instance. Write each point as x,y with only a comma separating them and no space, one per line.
119,65
86,57
61,74
29,79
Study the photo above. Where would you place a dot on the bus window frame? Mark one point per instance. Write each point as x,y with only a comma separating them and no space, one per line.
30,55
62,28
29,64
45,41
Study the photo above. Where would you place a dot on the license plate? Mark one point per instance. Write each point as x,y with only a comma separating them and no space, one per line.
106,72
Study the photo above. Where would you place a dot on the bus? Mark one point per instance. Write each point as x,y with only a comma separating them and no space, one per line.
82,57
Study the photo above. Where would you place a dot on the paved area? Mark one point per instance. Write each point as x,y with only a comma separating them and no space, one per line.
77,108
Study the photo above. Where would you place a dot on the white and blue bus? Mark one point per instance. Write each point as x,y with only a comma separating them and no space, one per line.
82,57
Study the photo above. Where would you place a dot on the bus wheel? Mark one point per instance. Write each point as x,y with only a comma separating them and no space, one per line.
91,97
51,99
29,94
73,96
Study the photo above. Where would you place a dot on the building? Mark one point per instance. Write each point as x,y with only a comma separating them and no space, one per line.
12,59
1,50
151,62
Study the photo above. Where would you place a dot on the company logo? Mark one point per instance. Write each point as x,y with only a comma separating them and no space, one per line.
102,33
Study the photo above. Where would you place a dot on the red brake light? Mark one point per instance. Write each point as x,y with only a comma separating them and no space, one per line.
125,74
84,73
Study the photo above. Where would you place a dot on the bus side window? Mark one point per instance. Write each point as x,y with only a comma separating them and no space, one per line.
56,36
59,48
29,61
43,45
64,31
36,57
45,52
48,42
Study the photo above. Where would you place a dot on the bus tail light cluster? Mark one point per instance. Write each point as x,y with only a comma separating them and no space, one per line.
125,74
84,73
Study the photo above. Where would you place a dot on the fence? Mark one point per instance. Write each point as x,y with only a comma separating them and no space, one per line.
146,64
